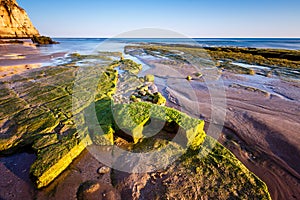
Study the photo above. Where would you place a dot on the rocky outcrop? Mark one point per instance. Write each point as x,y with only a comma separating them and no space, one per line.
59,111
38,111
14,21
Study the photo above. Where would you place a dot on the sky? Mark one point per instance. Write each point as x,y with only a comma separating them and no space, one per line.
190,18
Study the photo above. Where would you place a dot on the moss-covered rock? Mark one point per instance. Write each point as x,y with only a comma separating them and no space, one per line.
149,78
148,92
130,66
131,118
54,159
189,78
159,99
41,108
46,109
235,68
209,171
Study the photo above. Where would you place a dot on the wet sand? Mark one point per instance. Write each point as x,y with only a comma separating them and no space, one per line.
17,58
261,127
16,184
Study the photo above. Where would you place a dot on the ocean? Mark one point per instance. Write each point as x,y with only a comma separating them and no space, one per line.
88,45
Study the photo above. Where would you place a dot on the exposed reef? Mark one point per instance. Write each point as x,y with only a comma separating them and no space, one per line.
38,108
267,62
48,111
264,57
262,96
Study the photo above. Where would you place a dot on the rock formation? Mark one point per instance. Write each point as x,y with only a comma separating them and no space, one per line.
14,21
50,111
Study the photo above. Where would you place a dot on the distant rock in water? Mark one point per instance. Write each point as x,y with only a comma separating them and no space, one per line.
43,40
14,21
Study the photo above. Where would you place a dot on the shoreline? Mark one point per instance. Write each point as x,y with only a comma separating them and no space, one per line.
242,118
17,58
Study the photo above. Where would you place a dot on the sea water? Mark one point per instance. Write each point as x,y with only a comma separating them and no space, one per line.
90,45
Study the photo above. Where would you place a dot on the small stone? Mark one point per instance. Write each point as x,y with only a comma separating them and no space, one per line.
132,97
138,100
189,78
198,74
103,170
149,78
95,190
143,93
153,89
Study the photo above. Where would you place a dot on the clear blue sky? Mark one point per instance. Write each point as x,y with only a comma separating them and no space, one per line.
193,18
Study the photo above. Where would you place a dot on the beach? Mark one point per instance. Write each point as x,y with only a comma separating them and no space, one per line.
255,116
20,57
262,116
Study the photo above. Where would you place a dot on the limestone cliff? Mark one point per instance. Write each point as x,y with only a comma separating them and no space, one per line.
14,21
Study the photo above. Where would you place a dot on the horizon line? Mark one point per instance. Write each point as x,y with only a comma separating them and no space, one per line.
93,37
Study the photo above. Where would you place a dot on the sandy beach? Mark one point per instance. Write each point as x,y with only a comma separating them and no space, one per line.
19,57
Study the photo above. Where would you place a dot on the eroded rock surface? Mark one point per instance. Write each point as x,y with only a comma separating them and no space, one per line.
47,109
43,109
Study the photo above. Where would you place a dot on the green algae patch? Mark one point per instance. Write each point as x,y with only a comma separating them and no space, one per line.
225,176
39,112
132,119
264,57
217,174
55,159
149,78
47,126
101,128
209,171
45,141
236,69
256,56
108,84
130,65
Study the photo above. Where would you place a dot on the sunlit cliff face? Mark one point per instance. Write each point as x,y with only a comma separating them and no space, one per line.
14,21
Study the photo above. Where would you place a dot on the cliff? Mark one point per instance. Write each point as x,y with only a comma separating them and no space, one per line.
14,21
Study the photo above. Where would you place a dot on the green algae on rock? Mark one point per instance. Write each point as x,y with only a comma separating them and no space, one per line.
159,99
54,159
128,65
209,171
149,78
257,56
39,109
133,117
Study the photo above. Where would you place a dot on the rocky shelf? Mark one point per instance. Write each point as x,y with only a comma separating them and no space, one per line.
49,110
